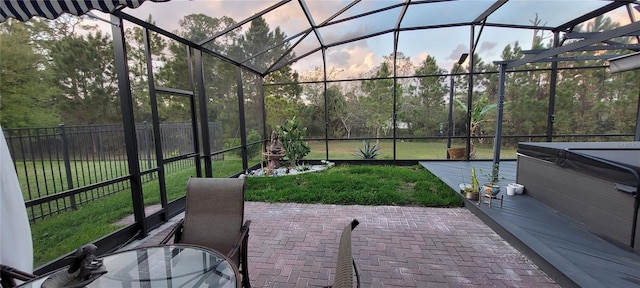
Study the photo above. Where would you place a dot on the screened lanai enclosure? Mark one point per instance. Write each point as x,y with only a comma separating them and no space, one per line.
154,92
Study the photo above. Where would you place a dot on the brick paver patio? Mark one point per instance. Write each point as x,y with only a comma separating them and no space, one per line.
295,245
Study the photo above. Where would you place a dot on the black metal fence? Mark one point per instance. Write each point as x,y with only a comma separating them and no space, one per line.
61,167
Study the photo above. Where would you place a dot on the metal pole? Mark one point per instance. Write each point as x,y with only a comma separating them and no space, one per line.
67,163
470,93
128,122
260,91
326,102
551,117
461,60
205,154
498,137
450,122
145,132
395,91
194,116
155,116
243,129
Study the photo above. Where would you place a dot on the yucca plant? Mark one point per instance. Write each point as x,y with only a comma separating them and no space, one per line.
368,151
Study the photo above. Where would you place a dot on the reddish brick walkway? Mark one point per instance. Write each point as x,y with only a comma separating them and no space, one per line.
295,245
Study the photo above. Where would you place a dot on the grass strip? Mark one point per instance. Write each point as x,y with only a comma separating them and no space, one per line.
356,185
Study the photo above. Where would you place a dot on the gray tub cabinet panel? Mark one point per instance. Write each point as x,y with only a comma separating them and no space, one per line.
590,200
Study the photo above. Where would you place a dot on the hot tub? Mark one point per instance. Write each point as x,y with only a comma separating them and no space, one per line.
595,183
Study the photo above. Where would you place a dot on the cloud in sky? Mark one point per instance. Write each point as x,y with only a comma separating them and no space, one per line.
490,50
336,36
455,54
353,61
421,57
487,46
445,44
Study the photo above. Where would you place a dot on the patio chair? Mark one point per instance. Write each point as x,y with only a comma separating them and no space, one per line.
9,275
346,265
214,216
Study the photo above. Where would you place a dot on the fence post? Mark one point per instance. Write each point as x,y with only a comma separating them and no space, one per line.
100,144
147,144
67,164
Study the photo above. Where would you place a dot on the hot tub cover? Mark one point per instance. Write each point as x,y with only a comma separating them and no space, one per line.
614,161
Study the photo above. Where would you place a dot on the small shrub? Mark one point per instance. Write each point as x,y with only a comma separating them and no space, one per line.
368,151
252,150
255,149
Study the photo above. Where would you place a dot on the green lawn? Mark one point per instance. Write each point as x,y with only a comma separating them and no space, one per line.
42,178
345,150
62,233
356,185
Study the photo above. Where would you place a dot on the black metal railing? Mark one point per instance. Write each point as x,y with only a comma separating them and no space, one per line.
62,167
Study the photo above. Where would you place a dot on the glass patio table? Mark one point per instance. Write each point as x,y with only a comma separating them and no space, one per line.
163,266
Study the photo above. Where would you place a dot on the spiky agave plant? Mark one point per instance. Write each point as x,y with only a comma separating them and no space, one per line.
368,151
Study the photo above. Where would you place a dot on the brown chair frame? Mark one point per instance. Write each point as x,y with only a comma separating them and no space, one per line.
9,275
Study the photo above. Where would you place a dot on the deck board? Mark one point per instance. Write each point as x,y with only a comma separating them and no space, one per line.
565,249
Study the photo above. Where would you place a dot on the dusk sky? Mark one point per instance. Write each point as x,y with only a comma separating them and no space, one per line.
354,58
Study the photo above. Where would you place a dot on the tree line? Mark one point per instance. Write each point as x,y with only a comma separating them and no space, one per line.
62,71
588,98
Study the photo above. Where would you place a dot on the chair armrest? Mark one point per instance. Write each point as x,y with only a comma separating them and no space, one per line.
243,236
175,233
8,276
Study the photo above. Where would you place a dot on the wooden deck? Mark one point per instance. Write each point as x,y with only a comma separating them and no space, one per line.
563,248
